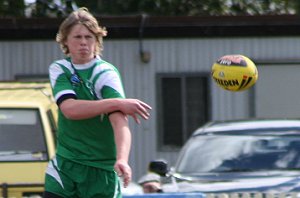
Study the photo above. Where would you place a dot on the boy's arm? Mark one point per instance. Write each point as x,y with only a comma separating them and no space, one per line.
82,109
122,135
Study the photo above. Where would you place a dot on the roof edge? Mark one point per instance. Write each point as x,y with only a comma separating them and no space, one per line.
146,26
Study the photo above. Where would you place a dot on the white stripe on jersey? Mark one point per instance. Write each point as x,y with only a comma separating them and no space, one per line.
55,70
108,78
65,63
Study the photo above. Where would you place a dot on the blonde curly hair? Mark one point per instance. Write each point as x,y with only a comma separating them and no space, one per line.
84,17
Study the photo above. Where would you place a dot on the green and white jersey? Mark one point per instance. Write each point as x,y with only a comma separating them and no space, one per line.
88,141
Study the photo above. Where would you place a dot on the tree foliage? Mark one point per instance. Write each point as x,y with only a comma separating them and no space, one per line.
192,7
12,8
60,8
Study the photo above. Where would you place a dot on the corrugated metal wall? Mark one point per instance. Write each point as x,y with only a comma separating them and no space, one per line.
26,57
168,55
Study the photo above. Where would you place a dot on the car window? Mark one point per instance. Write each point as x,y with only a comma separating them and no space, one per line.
229,153
22,136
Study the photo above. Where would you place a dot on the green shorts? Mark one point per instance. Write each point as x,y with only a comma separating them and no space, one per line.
68,179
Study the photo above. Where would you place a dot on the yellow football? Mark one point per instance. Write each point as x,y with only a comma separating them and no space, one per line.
234,72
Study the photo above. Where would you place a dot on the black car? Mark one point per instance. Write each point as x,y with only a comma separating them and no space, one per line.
238,156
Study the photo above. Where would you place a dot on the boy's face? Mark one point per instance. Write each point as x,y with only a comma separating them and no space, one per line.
81,44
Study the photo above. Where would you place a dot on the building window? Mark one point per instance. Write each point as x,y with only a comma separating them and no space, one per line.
183,106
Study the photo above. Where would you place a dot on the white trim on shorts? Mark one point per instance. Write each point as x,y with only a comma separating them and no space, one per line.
52,171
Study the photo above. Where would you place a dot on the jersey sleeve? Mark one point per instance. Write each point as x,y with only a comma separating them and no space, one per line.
60,83
109,84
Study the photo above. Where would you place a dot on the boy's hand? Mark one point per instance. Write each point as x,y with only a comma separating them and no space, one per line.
123,170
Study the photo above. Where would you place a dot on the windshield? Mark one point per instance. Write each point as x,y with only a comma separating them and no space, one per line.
21,135
228,153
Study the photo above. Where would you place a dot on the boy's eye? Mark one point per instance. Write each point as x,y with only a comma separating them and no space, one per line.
79,36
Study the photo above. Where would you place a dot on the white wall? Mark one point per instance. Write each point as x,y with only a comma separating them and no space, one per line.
278,92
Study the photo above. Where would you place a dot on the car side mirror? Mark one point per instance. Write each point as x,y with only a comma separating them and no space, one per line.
159,167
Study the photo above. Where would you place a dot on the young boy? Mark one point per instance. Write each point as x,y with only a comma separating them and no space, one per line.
94,139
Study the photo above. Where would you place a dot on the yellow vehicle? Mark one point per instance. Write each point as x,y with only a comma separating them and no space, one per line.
28,118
